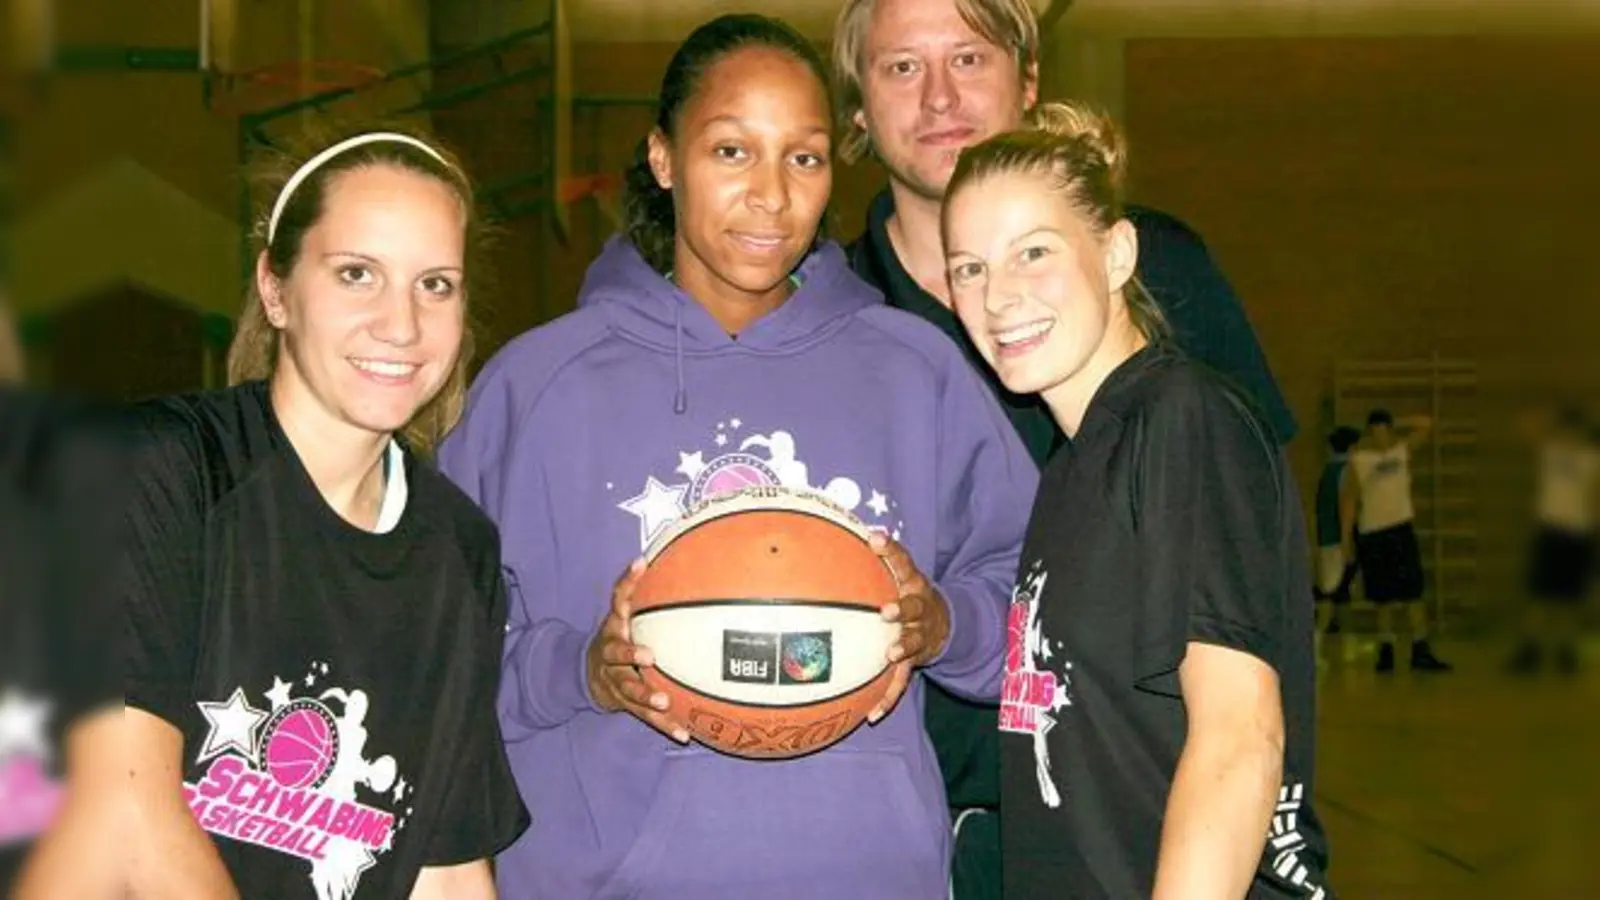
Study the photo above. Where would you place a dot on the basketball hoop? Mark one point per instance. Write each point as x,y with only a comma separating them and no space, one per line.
577,187
262,90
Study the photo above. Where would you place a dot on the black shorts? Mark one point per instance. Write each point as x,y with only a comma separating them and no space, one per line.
1391,564
1562,565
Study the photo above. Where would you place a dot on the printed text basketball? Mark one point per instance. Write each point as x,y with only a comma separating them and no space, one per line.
762,609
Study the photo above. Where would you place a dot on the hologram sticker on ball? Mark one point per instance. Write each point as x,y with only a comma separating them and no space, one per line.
750,657
806,658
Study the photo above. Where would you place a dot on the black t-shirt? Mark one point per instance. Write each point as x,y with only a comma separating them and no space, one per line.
1171,517
335,687
56,661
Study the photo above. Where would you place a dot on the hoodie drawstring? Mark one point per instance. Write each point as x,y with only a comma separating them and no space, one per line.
680,401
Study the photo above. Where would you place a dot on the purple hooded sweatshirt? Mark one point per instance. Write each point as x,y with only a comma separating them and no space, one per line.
585,437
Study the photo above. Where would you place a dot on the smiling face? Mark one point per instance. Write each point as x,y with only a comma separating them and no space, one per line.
932,86
1037,286
750,173
372,315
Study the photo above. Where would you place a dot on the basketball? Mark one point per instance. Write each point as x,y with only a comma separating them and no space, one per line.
300,744
762,608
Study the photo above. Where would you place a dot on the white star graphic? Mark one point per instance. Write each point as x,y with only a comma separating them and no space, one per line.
233,724
279,695
878,503
721,440
736,423
22,726
659,506
691,464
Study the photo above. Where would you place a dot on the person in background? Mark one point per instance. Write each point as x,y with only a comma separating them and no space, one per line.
1334,571
918,81
1562,556
1380,534
1159,711
724,334
61,769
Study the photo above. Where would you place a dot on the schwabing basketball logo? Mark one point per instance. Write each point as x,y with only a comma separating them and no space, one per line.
754,460
286,777
1030,696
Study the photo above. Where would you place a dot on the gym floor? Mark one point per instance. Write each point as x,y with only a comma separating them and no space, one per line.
1460,786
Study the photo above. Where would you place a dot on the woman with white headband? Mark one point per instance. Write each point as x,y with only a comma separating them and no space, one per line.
314,617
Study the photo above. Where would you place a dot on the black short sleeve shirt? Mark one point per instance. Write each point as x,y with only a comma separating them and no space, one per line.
335,687
1170,518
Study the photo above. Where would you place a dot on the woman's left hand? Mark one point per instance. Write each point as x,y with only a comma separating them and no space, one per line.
924,622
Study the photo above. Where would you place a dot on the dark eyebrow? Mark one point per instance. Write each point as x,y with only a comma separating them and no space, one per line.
351,254
741,123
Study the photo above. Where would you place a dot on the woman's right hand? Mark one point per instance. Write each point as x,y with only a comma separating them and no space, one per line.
614,662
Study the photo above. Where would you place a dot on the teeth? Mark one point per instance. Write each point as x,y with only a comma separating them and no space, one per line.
1018,335
387,369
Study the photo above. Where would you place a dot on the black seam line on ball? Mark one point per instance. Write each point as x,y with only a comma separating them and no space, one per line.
759,601
756,705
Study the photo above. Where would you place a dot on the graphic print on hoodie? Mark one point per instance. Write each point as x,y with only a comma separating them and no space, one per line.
742,458
585,437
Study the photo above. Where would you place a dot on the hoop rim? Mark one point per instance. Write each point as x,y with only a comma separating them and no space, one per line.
578,186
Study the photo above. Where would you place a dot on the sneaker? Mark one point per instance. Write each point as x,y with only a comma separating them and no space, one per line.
1423,660
1385,658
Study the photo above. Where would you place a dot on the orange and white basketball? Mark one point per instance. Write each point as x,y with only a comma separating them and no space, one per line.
762,608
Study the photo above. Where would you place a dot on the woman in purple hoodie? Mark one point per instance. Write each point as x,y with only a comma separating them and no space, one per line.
724,340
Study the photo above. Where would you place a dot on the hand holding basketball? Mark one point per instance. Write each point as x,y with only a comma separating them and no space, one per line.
614,659
923,616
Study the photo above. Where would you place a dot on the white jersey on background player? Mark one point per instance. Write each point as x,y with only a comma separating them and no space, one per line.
1569,483
1384,477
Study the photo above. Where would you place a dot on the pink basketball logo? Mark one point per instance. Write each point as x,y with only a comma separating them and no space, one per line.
300,745
730,473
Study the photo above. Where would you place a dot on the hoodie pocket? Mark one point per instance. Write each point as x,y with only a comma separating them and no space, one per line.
842,823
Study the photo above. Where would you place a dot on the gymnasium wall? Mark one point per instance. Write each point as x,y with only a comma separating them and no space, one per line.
1369,197
1382,198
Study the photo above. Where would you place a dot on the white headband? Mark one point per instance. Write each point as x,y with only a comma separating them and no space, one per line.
316,162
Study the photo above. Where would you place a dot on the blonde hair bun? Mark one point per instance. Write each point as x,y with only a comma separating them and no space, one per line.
1094,129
